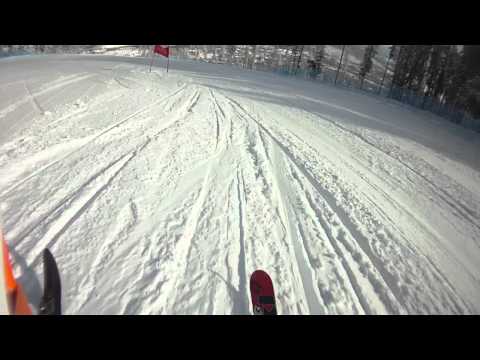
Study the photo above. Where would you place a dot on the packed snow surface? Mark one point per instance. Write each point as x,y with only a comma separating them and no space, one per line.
160,193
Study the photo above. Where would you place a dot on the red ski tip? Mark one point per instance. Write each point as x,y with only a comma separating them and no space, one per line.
262,293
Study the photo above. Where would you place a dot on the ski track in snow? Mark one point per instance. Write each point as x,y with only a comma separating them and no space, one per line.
160,194
55,85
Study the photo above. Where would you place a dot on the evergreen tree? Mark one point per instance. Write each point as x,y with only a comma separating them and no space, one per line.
433,71
340,63
416,66
231,50
346,59
439,85
254,58
410,67
315,65
402,65
472,96
274,58
294,51
370,52
472,74
319,58
299,57
391,55
246,54
455,78
472,60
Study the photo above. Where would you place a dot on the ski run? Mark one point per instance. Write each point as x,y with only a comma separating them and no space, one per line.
161,193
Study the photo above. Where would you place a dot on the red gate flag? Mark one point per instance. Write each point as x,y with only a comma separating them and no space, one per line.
162,50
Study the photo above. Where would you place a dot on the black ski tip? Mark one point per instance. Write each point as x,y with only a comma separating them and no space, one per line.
48,258
52,289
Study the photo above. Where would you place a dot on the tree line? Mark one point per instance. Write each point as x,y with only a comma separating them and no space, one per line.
449,74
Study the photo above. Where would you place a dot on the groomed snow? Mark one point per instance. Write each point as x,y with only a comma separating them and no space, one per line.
161,193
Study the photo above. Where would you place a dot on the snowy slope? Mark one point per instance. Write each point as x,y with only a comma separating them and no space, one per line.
160,193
